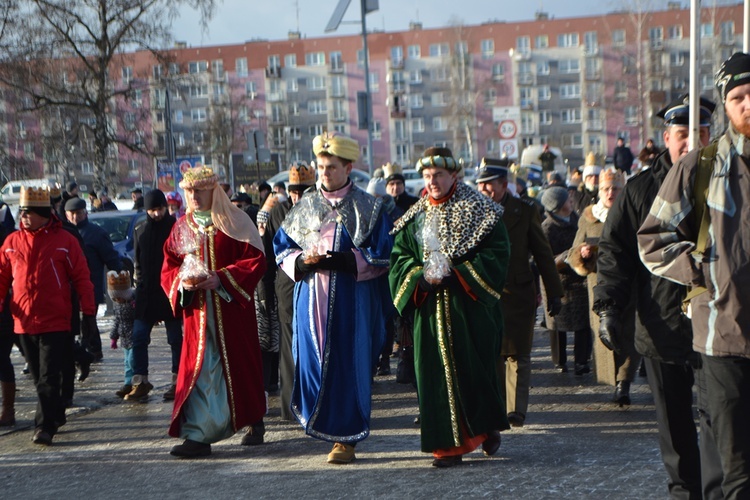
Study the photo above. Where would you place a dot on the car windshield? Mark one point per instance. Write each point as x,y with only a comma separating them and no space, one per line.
116,227
412,175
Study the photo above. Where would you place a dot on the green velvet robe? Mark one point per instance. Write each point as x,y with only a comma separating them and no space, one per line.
457,337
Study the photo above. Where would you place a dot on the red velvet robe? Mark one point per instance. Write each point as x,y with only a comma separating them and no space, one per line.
240,267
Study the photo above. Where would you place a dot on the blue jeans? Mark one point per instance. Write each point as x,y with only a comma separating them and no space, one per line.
142,338
128,358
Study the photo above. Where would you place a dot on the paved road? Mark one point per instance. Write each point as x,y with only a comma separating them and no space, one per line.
575,445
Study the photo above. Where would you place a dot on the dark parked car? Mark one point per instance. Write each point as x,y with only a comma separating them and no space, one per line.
119,225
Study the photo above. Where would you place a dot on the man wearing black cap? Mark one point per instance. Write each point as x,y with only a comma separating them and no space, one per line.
701,241
99,251
40,262
395,185
137,196
518,299
151,303
663,334
245,203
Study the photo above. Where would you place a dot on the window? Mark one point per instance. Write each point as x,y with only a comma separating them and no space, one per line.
594,119
542,68
315,130
340,128
572,115
440,74
217,89
416,101
707,82
217,68
290,61
277,113
567,66
572,141
315,59
462,48
178,116
198,114
526,97
594,92
174,69
293,109
317,107
376,131
240,66
439,99
414,52
274,61
87,168
127,74
595,143
417,125
488,48
361,58
316,83
402,153
567,40
591,42
491,144
631,115
199,137
545,117
199,90
541,41
621,90
337,61
523,44
338,88
251,89
397,81
339,114
727,32
160,117
292,85
28,151
490,96
527,123
197,67
399,130
618,38
707,30
415,77
592,68
675,32
678,83
676,59
544,93
498,71
374,81
156,71
295,133
158,98
137,98
656,37
439,50
397,56
439,124
570,91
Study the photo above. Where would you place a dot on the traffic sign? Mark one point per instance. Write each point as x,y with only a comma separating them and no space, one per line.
509,148
507,129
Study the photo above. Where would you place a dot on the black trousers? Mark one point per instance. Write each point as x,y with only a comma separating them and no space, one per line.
727,390
286,369
581,349
45,354
672,390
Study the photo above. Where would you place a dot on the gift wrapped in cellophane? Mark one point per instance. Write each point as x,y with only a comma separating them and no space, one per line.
187,242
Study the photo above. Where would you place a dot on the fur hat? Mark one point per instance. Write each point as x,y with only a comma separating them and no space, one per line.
554,197
438,157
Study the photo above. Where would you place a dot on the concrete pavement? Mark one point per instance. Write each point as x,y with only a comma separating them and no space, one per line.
575,444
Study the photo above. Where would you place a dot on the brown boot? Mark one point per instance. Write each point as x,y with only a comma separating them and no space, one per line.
8,415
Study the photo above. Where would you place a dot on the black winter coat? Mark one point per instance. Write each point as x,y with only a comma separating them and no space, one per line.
662,331
97,246
151,302
283,284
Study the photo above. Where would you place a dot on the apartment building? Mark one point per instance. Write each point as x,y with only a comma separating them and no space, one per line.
574,83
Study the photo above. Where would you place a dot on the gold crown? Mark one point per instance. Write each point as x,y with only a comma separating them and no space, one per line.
301,174
590,160
34,197
611,177
392,168
118,281
54,192
199,178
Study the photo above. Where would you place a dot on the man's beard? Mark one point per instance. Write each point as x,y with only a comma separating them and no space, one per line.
743,127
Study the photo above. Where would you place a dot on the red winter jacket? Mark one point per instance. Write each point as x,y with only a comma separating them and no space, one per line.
41,266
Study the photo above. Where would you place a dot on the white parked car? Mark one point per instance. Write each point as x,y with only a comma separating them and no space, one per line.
414,184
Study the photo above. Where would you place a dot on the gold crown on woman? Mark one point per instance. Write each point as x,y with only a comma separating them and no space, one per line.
199,178
34,197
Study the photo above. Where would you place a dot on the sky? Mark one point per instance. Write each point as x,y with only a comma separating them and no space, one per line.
239,20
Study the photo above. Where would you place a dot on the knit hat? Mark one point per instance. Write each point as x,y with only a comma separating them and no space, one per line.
118,285
154,199
336,144
438,157
376,187
554,197
733,72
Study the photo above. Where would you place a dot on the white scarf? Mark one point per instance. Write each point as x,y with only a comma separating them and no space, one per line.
600,211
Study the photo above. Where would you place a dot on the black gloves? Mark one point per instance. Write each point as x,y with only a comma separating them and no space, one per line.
303,267
339,261
609,329
554,305
446,282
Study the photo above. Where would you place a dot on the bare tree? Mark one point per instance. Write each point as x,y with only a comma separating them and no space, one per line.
88,42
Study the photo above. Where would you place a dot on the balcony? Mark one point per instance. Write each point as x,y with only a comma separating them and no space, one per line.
338,117
398,114
336,66
273,72
594,125
525,79
397,63
593,75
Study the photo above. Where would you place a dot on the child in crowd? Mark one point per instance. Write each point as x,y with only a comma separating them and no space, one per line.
123,297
